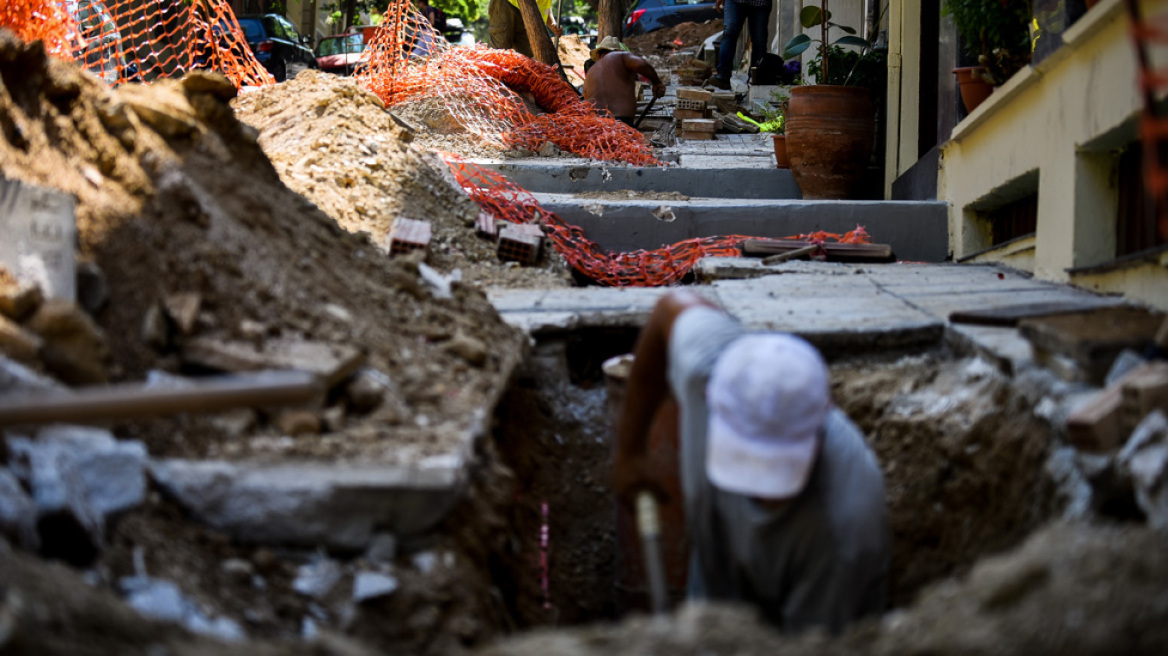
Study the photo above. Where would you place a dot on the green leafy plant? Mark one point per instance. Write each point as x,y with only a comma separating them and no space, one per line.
811,16
995,32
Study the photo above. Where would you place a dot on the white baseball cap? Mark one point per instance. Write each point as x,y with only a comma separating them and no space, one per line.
768,396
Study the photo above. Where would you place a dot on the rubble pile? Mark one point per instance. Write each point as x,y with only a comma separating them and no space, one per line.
355,161
199,261
682,36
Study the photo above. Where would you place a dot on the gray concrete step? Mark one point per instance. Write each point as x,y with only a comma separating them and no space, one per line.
916,230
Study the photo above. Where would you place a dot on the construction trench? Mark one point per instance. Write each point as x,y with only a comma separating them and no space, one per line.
451,491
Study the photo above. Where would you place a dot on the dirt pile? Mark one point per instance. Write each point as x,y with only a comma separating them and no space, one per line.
1071,589
962,454
684,35
335,143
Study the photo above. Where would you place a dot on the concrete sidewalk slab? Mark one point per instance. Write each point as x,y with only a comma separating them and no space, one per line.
559,310
916,230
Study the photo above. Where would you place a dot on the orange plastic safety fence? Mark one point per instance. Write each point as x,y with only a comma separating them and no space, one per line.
480,87
139,40
507,201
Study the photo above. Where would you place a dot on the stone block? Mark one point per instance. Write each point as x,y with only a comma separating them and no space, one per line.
74,347
338,506
333,363
699,125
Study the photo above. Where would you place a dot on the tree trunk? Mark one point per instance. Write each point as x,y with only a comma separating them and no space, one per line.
537,34
611,16
350,14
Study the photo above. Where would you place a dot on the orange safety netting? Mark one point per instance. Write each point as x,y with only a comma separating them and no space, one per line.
644,268
1146,33
480,87
139,40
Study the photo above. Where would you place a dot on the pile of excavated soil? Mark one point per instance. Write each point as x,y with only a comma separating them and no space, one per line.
962,453
689,34
175,196
336,144
1070,589
573,53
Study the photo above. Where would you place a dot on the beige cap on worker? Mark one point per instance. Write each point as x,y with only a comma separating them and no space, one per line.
606,44
768,397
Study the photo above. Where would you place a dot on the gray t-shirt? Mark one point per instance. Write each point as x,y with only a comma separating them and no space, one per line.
821,560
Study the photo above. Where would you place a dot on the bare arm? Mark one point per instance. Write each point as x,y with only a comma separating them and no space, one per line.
647,389
642,67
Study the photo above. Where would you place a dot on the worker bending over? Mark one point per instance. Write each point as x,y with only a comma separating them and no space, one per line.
783,499
506,29
609,83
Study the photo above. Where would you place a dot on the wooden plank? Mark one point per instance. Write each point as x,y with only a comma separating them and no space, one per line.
835,251
1010,315
85,405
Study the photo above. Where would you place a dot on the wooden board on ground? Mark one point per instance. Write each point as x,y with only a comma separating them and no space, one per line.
835,252
1084,344
1009,315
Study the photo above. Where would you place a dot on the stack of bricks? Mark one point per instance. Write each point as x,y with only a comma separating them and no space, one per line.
692,103
698,129
408,235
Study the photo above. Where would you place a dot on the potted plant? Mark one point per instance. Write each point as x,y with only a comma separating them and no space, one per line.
996,33
830,127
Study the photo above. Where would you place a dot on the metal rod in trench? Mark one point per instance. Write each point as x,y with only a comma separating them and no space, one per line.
649,525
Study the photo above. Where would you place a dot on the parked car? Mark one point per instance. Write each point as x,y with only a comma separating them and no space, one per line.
650,15
277,45
101,42
339,54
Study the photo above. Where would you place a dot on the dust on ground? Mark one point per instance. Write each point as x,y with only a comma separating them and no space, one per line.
335,143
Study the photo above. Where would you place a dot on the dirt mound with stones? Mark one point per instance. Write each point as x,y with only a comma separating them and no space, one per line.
684,35
1070,589
336,144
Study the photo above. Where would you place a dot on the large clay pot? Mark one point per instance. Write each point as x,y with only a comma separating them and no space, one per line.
830,132
781,159
974,90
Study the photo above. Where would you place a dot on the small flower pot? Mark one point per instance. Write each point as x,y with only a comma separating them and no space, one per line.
974,90
781,159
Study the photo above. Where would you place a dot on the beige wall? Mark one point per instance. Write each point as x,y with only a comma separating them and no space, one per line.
1055,128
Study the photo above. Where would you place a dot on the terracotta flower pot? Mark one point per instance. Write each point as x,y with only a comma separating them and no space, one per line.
781,158
830,133
974,90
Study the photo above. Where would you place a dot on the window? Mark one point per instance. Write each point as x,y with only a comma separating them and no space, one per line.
1013,220
1135,225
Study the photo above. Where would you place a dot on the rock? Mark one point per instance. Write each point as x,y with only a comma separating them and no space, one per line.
92,288
183,309
163,600
549,149
209,82
79,478
74,347
333,419
371,585
1071,485
309,504
318,579
18,343
18,299
367,390
234,423
17,512
155,332
471,349
238,570
16,378
298,422
382,549
1145,460
333,363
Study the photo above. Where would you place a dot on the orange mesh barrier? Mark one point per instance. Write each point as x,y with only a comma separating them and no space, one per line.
139,40
644,268
480,87
1153,83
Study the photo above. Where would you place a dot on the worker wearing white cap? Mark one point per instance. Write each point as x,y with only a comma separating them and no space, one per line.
784,501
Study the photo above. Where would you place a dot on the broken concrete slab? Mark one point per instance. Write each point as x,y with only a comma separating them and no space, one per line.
917,231
313,504
17,379
373,585
1145,460
333,363
548,311
317,579
163,600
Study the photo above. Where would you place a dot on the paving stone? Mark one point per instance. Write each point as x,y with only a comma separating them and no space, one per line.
332,362
74,347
